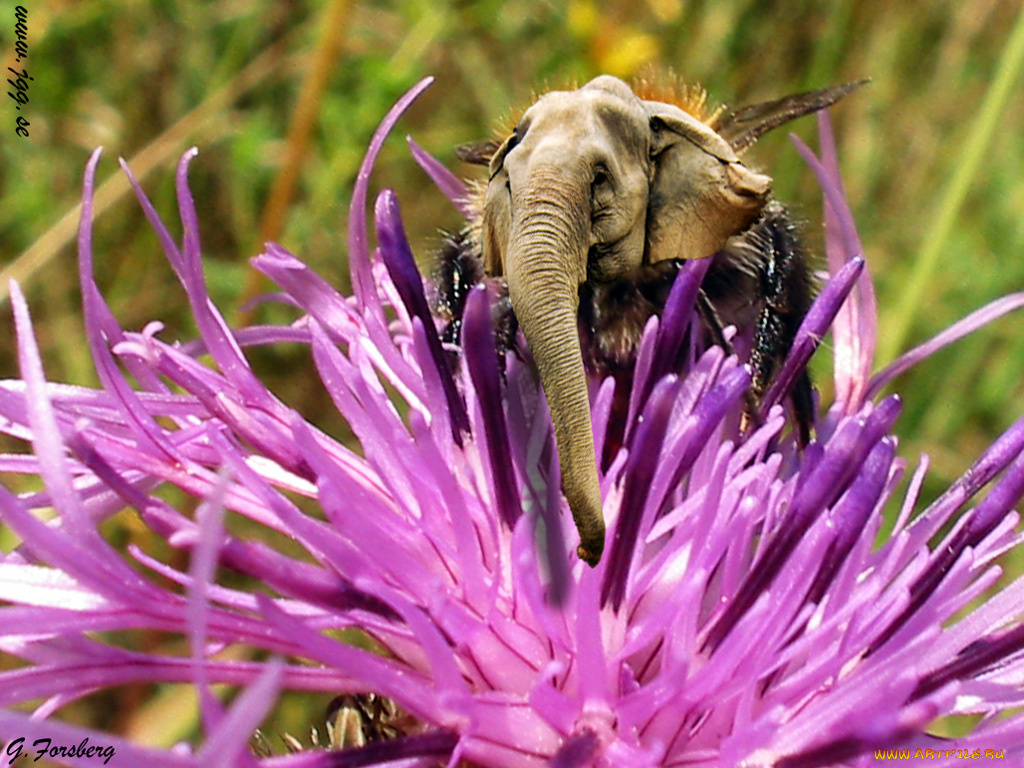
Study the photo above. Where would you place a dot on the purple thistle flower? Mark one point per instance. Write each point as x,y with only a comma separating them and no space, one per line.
742,616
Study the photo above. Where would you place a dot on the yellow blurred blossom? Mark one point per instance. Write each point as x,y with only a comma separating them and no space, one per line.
627,54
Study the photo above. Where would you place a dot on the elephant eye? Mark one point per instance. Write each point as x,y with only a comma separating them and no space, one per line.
601,194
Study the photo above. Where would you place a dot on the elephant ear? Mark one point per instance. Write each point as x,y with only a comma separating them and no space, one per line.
497,221
498,158
669,125
701,194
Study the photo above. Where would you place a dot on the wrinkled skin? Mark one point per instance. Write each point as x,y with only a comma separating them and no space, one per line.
701,193
590,185
567,197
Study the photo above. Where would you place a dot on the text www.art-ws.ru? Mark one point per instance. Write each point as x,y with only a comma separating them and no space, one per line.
938,754
21,78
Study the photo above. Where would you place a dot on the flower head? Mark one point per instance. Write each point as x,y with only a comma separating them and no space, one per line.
741,616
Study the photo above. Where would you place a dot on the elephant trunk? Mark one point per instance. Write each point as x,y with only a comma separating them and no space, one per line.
545,264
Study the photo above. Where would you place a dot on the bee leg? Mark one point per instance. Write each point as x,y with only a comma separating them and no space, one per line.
458,269
751,417
786,292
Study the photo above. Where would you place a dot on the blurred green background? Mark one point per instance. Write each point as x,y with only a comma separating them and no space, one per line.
281,99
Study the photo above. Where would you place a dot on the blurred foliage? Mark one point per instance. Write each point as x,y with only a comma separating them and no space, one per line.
132,76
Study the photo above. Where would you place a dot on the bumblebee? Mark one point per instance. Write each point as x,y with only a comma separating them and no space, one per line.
594,200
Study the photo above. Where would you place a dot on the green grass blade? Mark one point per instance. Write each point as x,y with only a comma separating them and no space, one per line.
894,335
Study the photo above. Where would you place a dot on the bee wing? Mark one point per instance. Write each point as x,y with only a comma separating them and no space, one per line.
746,125
477,154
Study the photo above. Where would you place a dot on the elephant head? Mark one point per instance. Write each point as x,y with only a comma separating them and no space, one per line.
590,185
567,202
